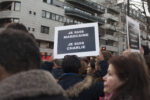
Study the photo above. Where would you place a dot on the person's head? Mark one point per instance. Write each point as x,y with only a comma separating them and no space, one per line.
17,26
19,52
126,75
71,64
140,58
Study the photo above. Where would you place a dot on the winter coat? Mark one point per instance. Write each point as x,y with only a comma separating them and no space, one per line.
48,66
81,89
57,73
104,67
31,85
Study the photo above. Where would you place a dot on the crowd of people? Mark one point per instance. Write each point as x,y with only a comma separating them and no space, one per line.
24,76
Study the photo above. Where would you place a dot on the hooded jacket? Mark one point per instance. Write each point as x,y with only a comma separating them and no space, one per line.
31,85
81,89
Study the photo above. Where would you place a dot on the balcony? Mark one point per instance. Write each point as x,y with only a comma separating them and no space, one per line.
83,15
114,10
9,14
88,5
110,48
111,17
109,27
109,37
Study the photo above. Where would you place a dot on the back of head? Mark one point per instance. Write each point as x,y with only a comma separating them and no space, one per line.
18,51
132,73
71,64
140,58
17,26
107,55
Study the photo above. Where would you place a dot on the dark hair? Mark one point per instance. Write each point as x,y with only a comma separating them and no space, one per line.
136,80
140,58
18,51
71,63
17,26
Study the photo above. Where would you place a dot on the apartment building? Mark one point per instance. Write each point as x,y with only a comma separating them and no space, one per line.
42,16
39,16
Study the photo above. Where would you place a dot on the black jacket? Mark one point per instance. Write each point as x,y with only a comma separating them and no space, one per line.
104,67
57,73
31,85
78,88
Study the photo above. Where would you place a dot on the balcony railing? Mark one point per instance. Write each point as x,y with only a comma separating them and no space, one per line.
111,16
83,15
88,5
9,14
114,9
109,27
109,37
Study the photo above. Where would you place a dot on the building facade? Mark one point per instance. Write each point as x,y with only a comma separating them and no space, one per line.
42,16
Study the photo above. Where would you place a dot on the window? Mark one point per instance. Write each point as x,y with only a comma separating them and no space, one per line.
43,13
17,6
15,20
57,17
34,13
71,20
61,18
53,16
65,20
44,29
48,1
45,1
68,20
30,12
33,29
51,45
28,28
48,14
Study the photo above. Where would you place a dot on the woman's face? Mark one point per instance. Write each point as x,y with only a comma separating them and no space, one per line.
111,80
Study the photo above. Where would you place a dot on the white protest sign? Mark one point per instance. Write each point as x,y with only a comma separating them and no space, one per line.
133,34
81,40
